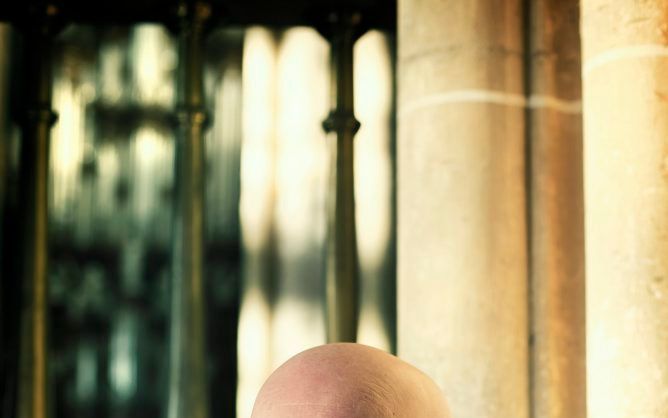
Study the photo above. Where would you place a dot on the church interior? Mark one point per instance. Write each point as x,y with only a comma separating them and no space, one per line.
193,192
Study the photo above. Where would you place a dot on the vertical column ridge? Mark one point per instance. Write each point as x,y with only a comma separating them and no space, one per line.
342,275
39,27
188,389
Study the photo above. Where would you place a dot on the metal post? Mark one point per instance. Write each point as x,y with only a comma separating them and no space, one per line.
188,393
36,126
5,54
342,267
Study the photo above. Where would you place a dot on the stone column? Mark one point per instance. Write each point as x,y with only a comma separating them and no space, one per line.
557,230
462,263
625,68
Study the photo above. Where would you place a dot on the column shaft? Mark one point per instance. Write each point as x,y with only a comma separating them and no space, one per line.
188,391
626,201
556,212
462,262
33,199
342,266
5,59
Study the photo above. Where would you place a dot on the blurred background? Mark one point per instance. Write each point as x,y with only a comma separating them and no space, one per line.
187,260
153,264
111,186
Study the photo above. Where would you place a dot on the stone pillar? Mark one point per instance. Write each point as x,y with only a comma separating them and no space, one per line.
625,45
462,263
557,231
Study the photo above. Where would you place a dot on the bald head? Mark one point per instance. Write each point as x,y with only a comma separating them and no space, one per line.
348,381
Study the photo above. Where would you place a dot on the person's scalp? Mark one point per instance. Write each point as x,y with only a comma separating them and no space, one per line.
348,381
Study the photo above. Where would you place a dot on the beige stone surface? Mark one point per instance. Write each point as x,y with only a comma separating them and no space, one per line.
557,266
626,140
558,384
610,24
626,201
455,45
462,279
554,44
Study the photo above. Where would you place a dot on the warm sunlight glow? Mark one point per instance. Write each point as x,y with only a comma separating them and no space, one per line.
67,145
373,182
373,158
153,61
153,171
257,151
253,353
302,156
301,184
255,211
